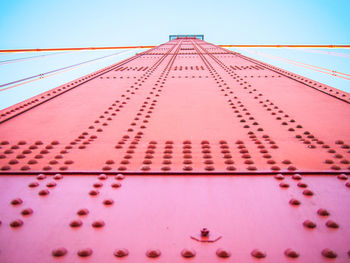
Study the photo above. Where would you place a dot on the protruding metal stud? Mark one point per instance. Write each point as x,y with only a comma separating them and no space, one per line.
119,177
16,201
76,223
309,224
328,253
16,223
294,202
33,184
27,211
223,253
308,192
98,224
188,253
108,202
83,212
86,252
291,253
59,252
44,192
121,252
279,176
332,224
258,253
153,253
323,212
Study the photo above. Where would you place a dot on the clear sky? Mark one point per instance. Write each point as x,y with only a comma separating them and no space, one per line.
77,23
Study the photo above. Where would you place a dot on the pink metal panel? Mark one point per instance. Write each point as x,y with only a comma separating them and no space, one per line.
247,212
215,126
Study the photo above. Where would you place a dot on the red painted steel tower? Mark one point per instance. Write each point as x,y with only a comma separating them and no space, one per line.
185,152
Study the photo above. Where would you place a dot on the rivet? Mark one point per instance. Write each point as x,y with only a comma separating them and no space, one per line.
44,192
209,168
33,184
153,253
32,161
97,185
83,212
309,224
59,252
223,253
16,201
308,192
108,202
119,177
279,176
302,185
294,201
41,177
332,224
323,212
258,254
328,253
94,192
291,253
51,184
58,176
98,224
16,223
121,252
86,252
102,177
76,223
296,177
284,185
342,177
116,185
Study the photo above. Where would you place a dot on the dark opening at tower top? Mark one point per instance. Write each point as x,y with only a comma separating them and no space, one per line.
171,37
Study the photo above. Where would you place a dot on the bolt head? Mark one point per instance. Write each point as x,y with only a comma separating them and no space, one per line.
309,224
258,253
86,252
323,212
188,253
98,224
27,211
16,223
332,224
204,232
153,253
223,253
59,252
16,201
121,252
119,177
328,253
291,253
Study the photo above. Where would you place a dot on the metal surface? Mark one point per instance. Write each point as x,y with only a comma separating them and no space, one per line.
205,137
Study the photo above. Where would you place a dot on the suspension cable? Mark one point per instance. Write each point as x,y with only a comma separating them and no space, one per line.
15,60
304,65
54,72
337,54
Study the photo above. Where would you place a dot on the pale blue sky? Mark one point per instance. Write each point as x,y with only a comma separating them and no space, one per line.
76,23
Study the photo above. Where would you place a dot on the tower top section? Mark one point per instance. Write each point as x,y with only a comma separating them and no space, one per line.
171,37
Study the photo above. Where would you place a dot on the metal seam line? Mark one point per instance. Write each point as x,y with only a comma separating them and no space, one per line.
129,47
53,72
